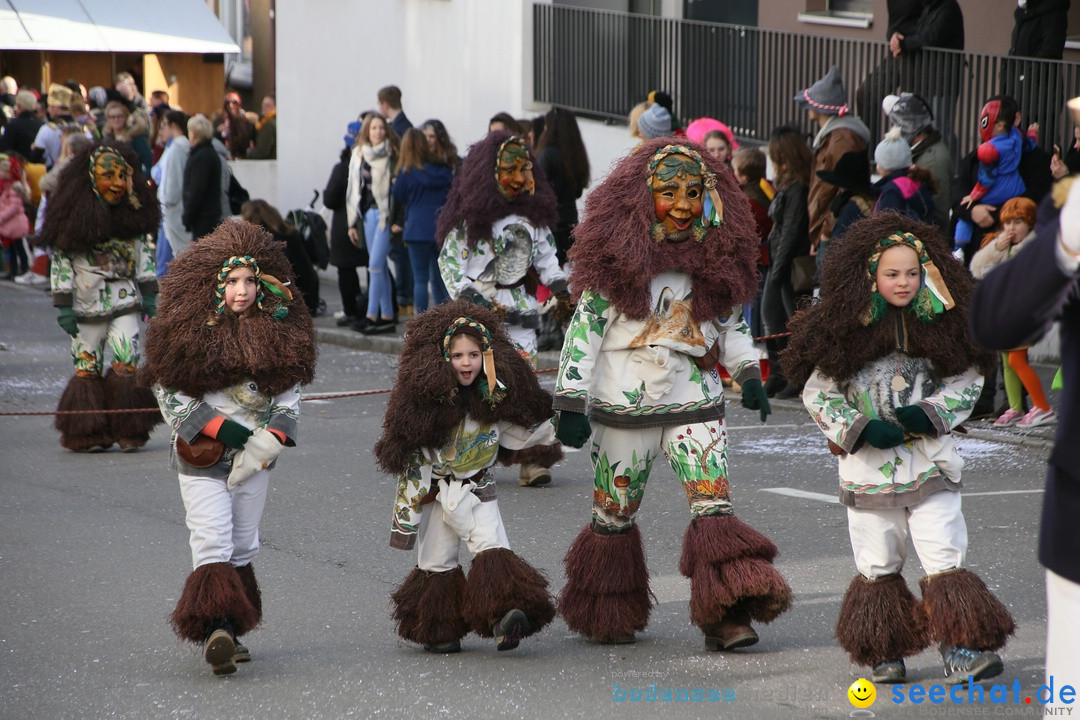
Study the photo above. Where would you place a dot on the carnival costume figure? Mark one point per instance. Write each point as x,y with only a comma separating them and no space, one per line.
103,280
890,373
497,244
464,398
226,357
663,262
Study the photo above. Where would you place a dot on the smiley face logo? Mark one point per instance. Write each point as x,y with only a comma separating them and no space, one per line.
862,693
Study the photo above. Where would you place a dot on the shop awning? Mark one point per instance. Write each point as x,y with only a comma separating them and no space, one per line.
140,26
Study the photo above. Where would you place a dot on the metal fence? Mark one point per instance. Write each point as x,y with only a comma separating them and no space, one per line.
600,64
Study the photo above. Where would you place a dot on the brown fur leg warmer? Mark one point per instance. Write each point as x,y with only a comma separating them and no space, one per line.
880,620
728,563
500,581
427,606
607,594
251,589
212,593
83,431
543,455
122,393
962,611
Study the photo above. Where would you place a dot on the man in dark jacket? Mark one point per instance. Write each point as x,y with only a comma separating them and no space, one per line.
348,258
202,180
891,73
1014,306
21,130
1039,31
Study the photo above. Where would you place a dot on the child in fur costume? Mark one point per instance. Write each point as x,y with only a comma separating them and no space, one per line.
464,398
101,231
664,261
497,243
890,371
227,356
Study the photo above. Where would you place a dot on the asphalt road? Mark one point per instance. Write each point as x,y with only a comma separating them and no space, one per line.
93,554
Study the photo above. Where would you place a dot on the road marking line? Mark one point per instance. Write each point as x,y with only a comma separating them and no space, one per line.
804,494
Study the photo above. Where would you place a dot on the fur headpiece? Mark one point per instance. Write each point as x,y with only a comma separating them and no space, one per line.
81,220
614,251
836,336
427,402
475,201
192,348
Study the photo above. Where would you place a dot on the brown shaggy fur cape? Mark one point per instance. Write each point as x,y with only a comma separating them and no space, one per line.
183,353
830,335
475,201
426,403
81,220
614,253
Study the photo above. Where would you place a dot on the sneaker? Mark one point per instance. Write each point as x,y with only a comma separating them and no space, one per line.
962,664
31,278
890,671
1008,418
1037,416
509,631
219,650
532,475
379,327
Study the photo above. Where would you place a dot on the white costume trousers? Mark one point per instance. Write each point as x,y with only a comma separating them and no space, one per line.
224,525
438,543
936,527
1062,637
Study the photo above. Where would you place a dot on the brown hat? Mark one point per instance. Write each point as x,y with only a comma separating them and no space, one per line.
1019,207
60,95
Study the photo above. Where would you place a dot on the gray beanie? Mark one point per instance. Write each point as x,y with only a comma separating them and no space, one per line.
654,122
910,112
893,153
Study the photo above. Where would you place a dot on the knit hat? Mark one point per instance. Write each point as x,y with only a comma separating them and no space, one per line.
352,130
60,95
908,111
655,122
827,95
1019,207
893,152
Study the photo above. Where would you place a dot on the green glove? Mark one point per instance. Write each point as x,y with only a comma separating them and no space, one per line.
149,305
915,420
754,398
233,434
882,435
572,429
68,321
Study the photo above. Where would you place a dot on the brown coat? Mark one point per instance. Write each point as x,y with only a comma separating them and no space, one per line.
833,146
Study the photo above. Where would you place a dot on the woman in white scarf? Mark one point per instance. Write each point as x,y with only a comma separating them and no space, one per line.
368,201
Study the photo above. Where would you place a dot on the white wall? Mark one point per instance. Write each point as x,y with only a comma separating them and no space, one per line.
460,61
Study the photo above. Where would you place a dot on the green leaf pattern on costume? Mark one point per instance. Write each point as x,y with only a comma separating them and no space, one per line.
176,408
608,493
124,351
590,318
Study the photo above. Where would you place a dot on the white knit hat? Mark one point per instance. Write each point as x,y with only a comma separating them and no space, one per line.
893,152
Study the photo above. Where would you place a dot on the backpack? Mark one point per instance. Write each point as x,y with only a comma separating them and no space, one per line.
312,228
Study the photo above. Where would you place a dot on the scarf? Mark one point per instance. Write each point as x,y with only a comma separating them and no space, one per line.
378,159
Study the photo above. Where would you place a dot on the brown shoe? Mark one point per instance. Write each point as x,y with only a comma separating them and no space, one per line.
729,634
532,475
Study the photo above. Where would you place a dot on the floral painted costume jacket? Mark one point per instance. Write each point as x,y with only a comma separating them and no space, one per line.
905,475
495,270
106,281
628,373
465,458
242,403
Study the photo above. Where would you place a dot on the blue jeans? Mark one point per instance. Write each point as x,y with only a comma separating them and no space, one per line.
424,257
164,252
380,301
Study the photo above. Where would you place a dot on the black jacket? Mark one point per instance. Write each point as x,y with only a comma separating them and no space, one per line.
202,190
343,253
1039,29
1014,306
19,134
940,25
